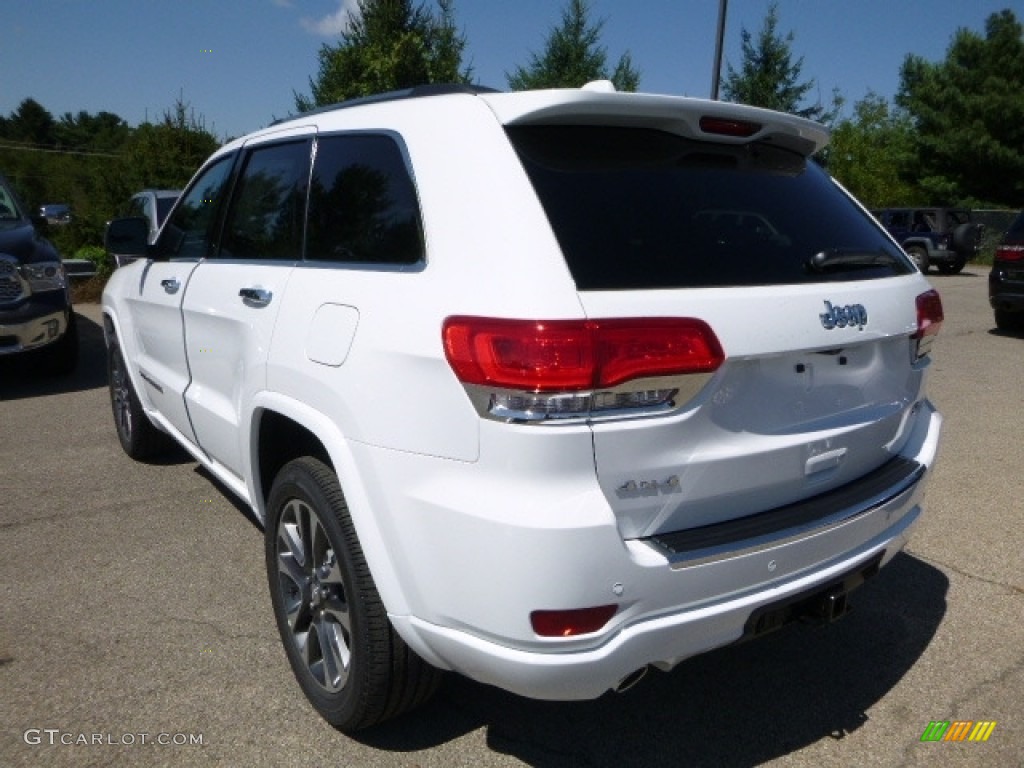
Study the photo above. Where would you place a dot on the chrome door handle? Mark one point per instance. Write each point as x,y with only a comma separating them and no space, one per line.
171,285
258,296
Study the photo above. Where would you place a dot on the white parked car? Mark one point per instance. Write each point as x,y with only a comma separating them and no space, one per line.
545,388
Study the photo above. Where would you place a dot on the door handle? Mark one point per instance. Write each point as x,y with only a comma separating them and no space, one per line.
259,297
171,285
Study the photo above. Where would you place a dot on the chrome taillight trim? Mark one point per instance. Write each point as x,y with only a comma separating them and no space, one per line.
677,391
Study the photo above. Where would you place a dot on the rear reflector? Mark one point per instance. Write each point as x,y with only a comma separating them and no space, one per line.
576,355
721,126
929,321
1010,252
579,621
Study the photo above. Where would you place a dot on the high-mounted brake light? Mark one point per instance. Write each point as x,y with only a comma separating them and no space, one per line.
929,321
1010,252
723,126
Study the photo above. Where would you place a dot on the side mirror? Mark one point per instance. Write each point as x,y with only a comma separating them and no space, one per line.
127,239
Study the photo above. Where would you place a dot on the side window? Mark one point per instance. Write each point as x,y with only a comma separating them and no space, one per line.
899,220
135,207
362,203
266,214
189,234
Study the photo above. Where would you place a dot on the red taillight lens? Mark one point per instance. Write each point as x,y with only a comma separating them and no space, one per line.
575,355
929,321
578,621
723,126
1010,252
634,349
536,356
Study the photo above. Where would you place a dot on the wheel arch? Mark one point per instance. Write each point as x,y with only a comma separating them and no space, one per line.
923,242
283,429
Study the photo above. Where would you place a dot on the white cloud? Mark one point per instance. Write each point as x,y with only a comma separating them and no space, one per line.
333,23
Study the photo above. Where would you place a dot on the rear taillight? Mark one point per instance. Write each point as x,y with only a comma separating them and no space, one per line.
1010,252
539,369
929,321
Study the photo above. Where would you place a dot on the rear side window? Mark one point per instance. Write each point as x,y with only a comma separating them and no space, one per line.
362,203
636,208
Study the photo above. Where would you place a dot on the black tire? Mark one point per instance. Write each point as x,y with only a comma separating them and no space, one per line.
136,433
953,268
61,357
1009,322
966,239
351,664
919,256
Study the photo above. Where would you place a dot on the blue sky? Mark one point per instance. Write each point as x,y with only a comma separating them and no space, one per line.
238,62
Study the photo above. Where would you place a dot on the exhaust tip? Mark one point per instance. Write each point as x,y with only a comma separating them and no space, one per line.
630,680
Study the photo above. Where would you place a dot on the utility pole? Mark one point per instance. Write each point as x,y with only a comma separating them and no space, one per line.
716,69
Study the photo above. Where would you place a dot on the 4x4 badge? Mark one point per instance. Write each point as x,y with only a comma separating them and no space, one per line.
840,317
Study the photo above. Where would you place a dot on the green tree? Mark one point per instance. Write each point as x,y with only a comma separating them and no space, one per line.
573,57
968,116
95,162
871,151
31,123
167,153
102,132
388,45
768,76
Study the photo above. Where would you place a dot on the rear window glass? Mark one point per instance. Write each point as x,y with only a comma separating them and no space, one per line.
1017,228
640,208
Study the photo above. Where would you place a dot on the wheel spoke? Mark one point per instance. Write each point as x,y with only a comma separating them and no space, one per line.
312,594
121,397
337,609
334,654
294,586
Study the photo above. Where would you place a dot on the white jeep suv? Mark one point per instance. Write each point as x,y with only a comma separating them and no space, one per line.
545,388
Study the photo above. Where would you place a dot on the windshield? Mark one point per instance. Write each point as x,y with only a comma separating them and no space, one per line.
641,208
163,207
8,205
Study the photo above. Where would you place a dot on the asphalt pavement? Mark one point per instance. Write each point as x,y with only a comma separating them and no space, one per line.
136,629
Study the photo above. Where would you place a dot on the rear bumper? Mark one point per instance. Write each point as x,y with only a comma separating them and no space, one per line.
661,641
477,580
1006,289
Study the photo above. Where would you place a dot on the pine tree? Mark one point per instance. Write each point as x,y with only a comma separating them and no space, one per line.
768,76
968,116
573,56
388,45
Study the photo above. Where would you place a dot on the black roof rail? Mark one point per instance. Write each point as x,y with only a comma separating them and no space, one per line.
416,92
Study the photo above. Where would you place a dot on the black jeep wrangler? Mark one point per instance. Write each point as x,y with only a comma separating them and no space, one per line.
942,237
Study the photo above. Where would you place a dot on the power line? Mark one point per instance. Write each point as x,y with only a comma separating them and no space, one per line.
86,153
